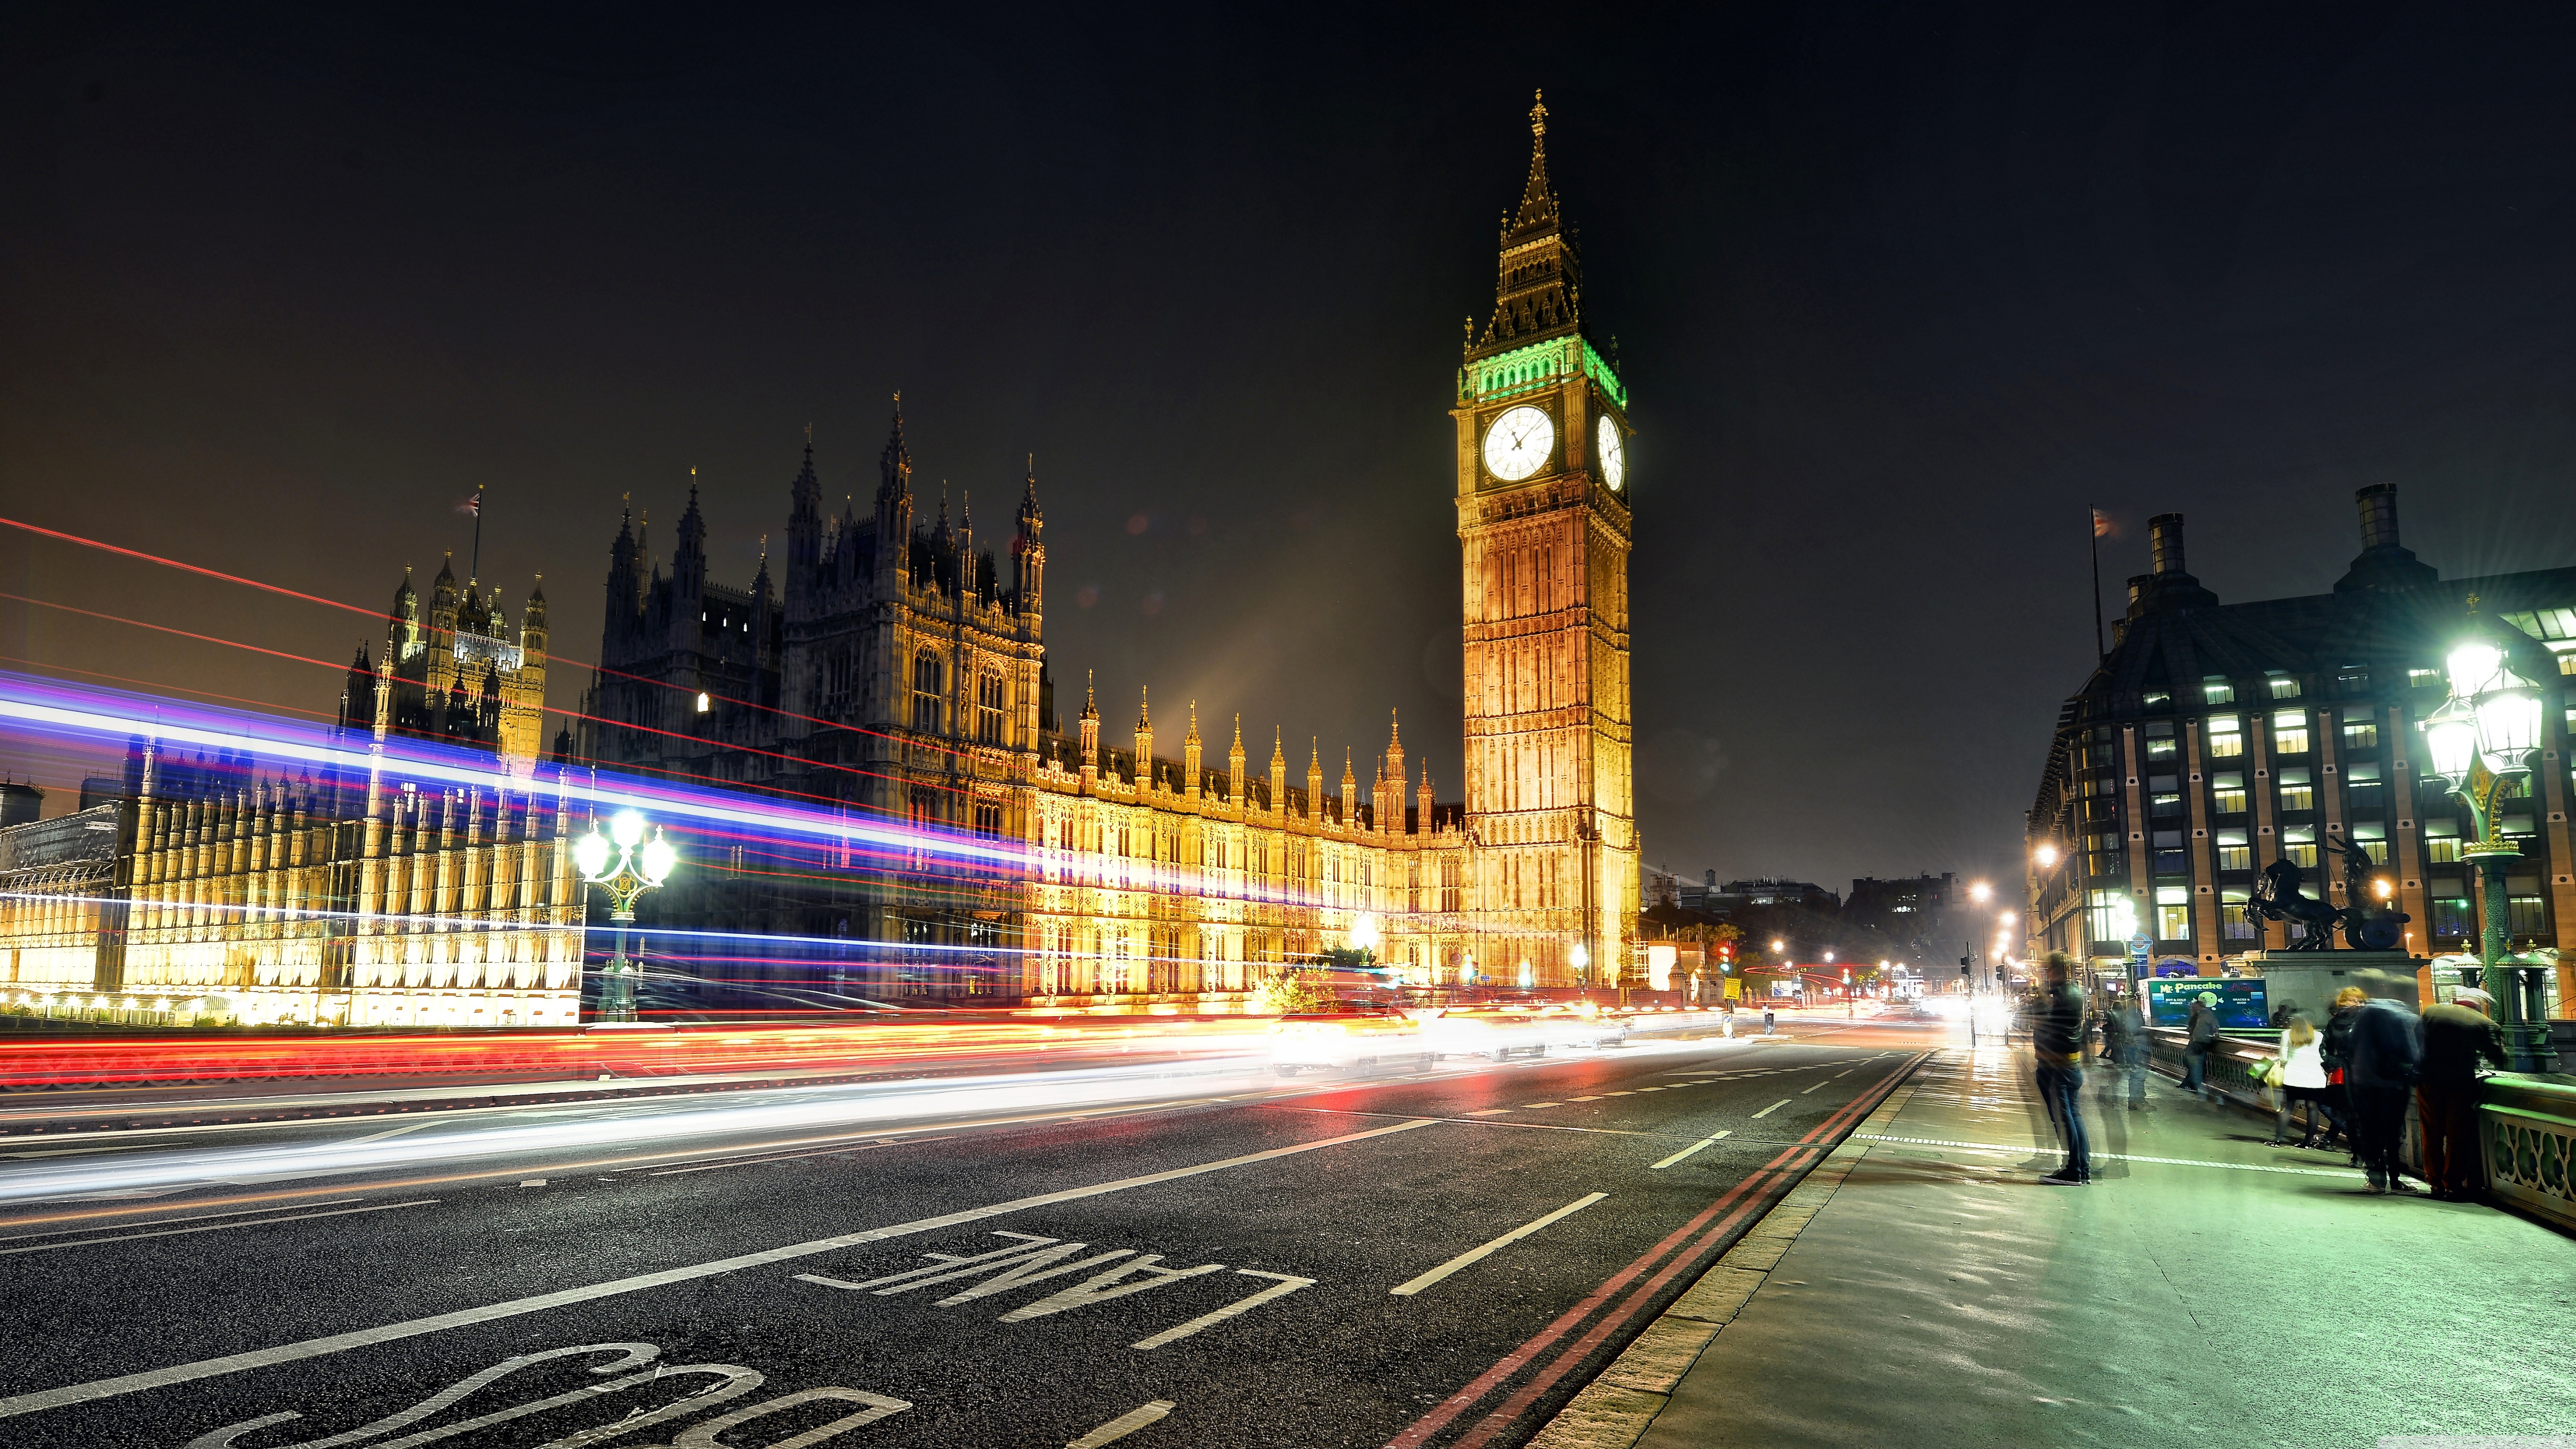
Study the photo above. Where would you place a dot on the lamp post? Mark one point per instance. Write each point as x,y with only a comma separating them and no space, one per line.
1581,957
628,865
2480,738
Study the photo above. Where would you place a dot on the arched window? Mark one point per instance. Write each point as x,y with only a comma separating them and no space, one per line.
988,709
926,675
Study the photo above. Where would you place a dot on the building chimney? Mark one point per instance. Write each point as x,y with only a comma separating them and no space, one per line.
2378,515
2166,532
2137,589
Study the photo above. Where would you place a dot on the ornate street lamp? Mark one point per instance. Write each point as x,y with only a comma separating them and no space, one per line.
1581,957
2483,736
615,862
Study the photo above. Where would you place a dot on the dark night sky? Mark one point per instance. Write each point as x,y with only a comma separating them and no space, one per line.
1899,293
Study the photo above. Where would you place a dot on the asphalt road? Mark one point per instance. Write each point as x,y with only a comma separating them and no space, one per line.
1174,1254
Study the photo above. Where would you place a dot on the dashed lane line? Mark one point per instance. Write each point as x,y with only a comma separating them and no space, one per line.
1483,1251
1124,1425
1687,1151
1774,1107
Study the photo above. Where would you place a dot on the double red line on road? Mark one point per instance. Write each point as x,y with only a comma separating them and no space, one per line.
1716,1225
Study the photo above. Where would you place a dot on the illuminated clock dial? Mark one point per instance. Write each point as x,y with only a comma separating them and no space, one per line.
1518,442
1614,456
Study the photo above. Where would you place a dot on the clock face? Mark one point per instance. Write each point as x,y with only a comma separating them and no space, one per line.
1518,443
1614,456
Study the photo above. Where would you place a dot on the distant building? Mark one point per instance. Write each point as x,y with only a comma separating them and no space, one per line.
20,803
1914,913
1735,895
2217,738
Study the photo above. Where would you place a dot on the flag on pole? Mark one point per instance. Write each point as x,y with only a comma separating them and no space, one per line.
2101,524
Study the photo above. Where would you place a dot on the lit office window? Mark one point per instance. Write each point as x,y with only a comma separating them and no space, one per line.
2360,727
2233,852
2297,792
2227,792
2214,689
2290,731
2280,685
2226,737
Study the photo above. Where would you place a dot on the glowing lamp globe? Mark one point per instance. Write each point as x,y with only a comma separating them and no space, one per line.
2472,667
628,828
1579,956
2451,738
658,859
590,853
2509,724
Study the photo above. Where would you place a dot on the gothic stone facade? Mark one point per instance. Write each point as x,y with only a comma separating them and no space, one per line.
214,891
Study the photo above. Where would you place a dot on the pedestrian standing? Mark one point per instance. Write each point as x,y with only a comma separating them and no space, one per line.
2300,1077
2336,1051
2057,1040
2457,1037
2124,1043
2200,1038
2385,1059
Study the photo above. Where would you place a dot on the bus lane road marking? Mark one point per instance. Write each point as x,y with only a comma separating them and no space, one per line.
122,1384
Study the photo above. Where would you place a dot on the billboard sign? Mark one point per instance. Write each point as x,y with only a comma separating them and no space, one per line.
2241,1000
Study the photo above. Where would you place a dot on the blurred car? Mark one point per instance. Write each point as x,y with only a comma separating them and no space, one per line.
1343,1039
1494,1035
1583,1026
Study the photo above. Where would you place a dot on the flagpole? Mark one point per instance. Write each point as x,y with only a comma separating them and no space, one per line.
2093,527
475,570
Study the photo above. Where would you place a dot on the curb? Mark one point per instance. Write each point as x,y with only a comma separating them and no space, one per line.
1616,1408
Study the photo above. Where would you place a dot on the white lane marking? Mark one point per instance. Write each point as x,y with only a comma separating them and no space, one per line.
1489,1111
757,1161
1827,1082
1288,1284
187,1218
1587,1099
1774,1107
1687,1151
381,1136
1473,1255
217,1227
1531,1106
1124,1425
532,1182
1115,1282
109,1388
1618,1094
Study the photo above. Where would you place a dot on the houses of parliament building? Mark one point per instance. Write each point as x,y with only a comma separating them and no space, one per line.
894,666
894,670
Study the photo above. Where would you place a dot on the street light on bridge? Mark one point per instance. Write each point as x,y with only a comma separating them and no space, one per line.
2481,739
627,865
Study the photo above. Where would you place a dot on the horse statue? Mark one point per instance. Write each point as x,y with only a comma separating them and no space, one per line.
2277,897
2366,927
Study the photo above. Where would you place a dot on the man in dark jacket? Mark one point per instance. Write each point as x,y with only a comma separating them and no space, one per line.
2200,1038
2457,1036
2384,1059
2057,1040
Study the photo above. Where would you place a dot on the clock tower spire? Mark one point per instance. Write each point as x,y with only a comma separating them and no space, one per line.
1544,531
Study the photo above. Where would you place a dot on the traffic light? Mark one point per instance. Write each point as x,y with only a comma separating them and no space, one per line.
1999,976
1964,968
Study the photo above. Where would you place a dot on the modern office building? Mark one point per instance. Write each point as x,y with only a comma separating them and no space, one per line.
2214,739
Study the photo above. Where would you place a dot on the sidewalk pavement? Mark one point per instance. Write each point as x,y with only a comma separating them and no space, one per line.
2205,1292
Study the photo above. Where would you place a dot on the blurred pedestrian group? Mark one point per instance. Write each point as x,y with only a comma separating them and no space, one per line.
2344,1084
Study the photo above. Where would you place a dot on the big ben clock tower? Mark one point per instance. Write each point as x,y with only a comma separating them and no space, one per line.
1543,520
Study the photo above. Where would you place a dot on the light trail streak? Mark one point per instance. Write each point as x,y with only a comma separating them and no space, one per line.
1058,1093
